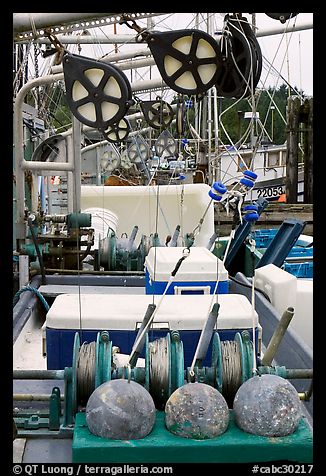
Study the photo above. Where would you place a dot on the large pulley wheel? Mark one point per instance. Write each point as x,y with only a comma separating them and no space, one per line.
242,58
110,159
98,94
138,151
165,143
158,114
181,117
118,131
282,17
189,61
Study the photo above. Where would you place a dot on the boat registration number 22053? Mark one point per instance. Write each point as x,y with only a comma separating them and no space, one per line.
270,191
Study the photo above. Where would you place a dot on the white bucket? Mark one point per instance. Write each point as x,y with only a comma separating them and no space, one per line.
102,220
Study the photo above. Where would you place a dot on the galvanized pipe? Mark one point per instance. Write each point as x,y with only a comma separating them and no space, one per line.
23,21
276,339
125,38
281,30
109,39
131,64
32,397
19,149
76,137
38,374
299,373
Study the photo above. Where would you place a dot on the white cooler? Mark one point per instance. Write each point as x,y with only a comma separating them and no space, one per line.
121,316
197,274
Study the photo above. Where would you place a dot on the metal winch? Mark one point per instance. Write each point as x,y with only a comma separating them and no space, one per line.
162,373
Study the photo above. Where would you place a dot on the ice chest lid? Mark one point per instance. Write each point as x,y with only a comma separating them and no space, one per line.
125,311
200,265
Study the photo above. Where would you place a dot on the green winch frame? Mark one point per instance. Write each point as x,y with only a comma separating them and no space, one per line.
61,423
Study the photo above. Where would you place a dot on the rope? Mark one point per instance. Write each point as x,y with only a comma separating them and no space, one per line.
86,371
33,290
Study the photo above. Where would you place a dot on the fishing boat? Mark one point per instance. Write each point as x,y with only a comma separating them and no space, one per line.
124,304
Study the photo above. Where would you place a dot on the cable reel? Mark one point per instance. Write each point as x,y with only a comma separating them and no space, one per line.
107,250
166,367
91,366
231,363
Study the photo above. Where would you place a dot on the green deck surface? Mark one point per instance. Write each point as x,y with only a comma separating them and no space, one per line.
161,446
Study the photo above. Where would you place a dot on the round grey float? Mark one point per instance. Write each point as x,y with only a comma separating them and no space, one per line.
120,410
267,405
196,411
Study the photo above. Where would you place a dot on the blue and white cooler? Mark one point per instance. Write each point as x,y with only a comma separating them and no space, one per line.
121,315
197,274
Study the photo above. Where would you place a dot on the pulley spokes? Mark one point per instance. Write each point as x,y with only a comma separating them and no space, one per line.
165,142
118,131
158,114
98,93
138,151
110,159
189,61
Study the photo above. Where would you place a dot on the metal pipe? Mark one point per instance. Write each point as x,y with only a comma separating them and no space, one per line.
127,55
76,138
29,397
70,177
23,270
38,374
306,396
217,168
131,64
19,150
136,350
205,336
276,339
90,271
281,30
299,373
91,39
23,21
21,163
125,38
62,22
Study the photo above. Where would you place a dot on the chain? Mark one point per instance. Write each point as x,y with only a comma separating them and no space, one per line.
59,48
36,53
142,34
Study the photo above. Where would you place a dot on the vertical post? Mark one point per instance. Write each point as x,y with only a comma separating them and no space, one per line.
272,135
98,167
217,160
23,270
76,137
308,153
291,184
70,175
239,124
